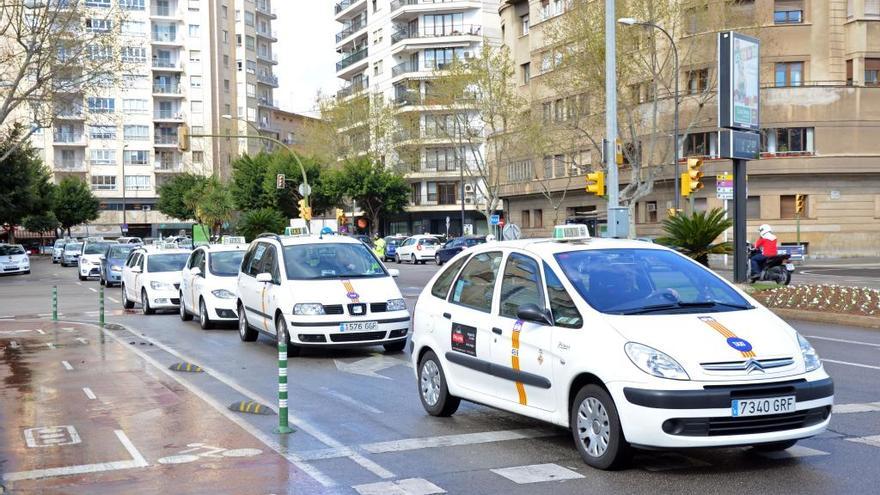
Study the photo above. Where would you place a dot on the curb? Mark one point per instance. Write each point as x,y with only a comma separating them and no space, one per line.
835,318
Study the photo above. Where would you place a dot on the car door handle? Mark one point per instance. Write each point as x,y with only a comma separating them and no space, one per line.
447,316
496,330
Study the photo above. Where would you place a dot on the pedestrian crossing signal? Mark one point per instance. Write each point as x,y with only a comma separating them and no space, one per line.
279,181
596,183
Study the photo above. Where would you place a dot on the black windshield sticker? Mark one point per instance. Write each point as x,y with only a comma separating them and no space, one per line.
464,339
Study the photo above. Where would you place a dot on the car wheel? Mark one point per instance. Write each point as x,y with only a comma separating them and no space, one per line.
395,346
437,260
204,320
787,277
27,272
774,446
81,278
245,332
281,329
125,302
145,303
397,258
412,259
596,429
433,391
184,314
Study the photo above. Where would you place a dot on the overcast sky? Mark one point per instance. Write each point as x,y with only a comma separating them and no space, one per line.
307,62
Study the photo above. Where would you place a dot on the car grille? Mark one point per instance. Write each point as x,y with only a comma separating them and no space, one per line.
176,286
378,307
357,309
357,336
333,309
749,365
725,425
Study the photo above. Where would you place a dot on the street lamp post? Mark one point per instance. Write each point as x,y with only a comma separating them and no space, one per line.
124,146
629,21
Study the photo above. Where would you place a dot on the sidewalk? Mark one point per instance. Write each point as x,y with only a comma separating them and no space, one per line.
80,414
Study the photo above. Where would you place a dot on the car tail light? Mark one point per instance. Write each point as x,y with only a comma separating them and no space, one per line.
419,247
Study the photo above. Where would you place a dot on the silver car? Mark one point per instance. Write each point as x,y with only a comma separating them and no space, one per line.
72,250
58,250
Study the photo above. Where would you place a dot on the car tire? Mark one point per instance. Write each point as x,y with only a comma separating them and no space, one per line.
397,259
184,314
395,346
81,278
413,260
433,391
27,272
594,417
204,320
437,260
787,277
145,303
125,302
774,446
281,327
245,332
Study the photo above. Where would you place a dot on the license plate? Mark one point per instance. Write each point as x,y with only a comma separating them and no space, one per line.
359,326
789,267
760,407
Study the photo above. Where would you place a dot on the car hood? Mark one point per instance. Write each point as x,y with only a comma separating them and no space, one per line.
13,258
91,258
169,277
695,340
345,291
115,261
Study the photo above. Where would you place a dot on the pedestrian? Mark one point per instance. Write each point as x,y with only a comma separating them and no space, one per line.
379,246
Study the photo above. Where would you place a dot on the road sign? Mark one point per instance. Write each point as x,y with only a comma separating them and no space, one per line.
494,219
724,186
305,190
124,228
447,223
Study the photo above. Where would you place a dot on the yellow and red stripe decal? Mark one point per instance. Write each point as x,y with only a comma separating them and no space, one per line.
350,292
514,361
729,335
263,306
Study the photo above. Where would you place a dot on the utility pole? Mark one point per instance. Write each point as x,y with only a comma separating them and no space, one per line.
611,115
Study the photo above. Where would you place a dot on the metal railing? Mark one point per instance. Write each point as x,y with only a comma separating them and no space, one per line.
268,34
268,57
353,88
269,79
165,139
267,102
397,4
264,9
164,36
174,89
404,68
168,166
161,11
351,29
813,84
67,137
463,30
164,64
344,4
351,58
70,166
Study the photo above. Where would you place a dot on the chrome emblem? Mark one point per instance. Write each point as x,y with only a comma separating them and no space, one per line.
754,365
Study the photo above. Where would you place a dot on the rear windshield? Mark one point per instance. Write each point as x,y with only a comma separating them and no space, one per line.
429,241
473,242
60,243
11,250
97,247
226,263
320,261
76,246
121,251
171,262
394,241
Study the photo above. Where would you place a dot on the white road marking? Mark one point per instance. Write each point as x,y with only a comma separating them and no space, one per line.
858,365
50,345
873,441
793,452
93,289
91,395
411,486
350,400
82,340
40,331
270,442
855,408
369,366
137,461
456,440
45,436
68,329
67,365
13,344
79,283
113,299
856,342
13,332
537,473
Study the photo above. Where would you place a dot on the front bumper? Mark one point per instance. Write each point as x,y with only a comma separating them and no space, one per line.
700,416
90,270
113,277
162,299
326,330
220,309
14,268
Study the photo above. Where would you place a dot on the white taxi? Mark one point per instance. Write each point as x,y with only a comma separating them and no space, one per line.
320,291
151,276
89,263
417,249
625,343
208,284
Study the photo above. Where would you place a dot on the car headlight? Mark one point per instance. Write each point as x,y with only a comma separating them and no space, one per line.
223,294
308,309
161,285
115,268
811,357
396,305
654,362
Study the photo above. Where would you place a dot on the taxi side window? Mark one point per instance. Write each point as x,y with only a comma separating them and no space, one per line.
268,265
565,313
130,261
196,257
203,258
476,284
140,262
521,284
444,281
256,258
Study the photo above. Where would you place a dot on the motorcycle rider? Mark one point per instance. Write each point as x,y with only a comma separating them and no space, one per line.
767,244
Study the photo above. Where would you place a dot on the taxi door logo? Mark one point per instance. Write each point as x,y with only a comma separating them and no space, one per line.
464,339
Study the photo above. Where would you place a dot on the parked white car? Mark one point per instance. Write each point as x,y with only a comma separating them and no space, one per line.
14,259
151,276
89,263
417,249
327,291
208,283
58,250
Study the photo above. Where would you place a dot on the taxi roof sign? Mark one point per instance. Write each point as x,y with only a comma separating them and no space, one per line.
232,239
570,232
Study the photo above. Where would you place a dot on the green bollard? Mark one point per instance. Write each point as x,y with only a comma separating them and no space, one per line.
283,427
54,303
101,306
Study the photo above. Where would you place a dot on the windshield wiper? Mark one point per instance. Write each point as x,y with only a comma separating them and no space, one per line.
680,304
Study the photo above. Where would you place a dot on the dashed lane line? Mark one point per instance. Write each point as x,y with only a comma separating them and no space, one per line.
844,341
41,331
93,289
846,363
67,365
113,299
91,395
350,400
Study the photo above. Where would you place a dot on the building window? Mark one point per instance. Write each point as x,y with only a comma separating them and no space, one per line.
547,111
97,53
872,65
198,157
251,67
102,157
132,106
520,171
559,110
137,182
196,106
432,191
698,144
195,81
698,80
548,167
526,71
377,68
439,58
753,207
102,132
251,90
134,27
415,195
789,74
552,8
788,12
538,218
139,157
872,8
134,54
524,25
651,211
225,36
136,132
787,140
132,4
559,166
101,105
193,30
248,18
446,192
525,219
249,42
103,182
195,56
97,25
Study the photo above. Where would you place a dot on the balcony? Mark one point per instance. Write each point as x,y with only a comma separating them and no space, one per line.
345,4
463,30
169,37
168,166
351,29
267,102
265,125
263,8
64,138
269,58
165,140
353,88
351,58
270,35
167,90
404,68
268,79
423,6
69,114
165,64
70,166
168,115
163,11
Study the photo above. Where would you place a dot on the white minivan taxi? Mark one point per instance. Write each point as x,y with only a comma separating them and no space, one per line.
625,343
320,291
208,284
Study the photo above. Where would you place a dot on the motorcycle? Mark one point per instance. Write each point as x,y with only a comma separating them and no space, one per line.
776,268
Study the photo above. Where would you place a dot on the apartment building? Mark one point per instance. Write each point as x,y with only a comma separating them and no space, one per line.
206,64
392,48
820,97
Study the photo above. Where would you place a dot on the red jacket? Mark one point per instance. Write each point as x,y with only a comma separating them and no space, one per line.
767,247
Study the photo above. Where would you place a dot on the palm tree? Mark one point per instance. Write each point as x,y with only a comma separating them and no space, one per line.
695,235
255,222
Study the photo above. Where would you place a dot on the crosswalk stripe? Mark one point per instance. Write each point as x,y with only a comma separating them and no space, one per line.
411,486
537,473
873,441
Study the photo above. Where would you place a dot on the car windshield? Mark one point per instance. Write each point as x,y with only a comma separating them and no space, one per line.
11,250
59,243
226,263
332,260
646,281
121,251
97,247
171,262
76,246
393,241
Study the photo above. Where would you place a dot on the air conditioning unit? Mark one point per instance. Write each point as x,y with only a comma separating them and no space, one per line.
468,188
651,207
468,54
468,201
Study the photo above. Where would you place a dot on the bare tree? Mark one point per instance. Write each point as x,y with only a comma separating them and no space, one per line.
350,126
51,53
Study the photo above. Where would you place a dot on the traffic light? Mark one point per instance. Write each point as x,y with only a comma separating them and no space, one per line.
340,214
690,180
279,181
305,212
183,137
596,183
800,203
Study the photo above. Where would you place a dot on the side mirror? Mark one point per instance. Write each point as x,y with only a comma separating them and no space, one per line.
195,271
103,257
136,269
394,272
264,277
531,312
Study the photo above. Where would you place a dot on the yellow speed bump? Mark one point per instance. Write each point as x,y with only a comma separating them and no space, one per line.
188,367
250,407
